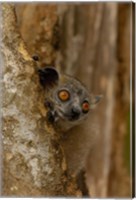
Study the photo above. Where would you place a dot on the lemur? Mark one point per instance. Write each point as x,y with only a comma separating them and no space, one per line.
68,105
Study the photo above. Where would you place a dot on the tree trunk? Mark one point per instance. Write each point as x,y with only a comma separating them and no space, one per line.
120,157
33,160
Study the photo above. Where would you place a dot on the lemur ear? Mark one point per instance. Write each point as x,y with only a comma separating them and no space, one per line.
48,76
95,100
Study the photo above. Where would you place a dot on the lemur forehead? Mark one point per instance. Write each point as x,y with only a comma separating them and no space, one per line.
73,84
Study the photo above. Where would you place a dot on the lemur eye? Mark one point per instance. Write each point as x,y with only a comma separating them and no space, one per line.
85,107
64,95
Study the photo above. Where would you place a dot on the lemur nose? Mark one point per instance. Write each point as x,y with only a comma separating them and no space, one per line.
75,113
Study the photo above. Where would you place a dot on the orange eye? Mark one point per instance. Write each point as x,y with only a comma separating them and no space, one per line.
64,95
85,107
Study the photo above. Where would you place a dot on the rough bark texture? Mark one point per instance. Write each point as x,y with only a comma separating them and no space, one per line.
33,160
91,42
39,28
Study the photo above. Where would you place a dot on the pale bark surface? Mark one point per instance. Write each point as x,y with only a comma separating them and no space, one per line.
33,160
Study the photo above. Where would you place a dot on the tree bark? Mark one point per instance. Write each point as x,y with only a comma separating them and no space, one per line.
120,157
33,161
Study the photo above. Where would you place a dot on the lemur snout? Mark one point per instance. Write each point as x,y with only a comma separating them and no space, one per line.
75,113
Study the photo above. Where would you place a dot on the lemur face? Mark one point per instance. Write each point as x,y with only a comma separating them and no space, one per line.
66,98
72,101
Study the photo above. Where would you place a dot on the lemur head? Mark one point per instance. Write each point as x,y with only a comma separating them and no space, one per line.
67,100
